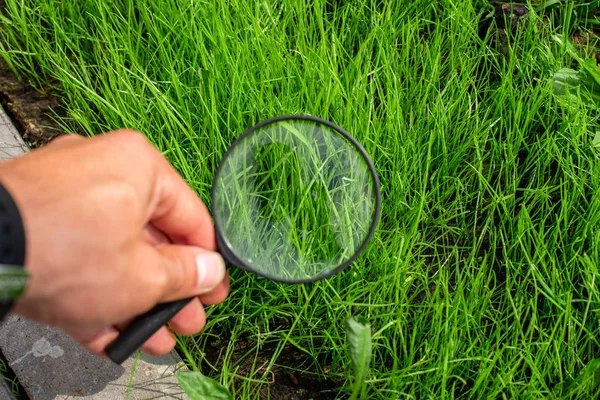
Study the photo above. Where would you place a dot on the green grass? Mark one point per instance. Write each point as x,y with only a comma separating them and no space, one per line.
482,280
13,382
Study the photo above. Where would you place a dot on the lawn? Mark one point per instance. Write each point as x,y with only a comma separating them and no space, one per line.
482,280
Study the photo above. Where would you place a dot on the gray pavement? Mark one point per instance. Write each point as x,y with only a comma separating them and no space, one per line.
51,365
11,143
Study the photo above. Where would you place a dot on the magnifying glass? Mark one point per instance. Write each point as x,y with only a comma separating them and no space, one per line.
295,199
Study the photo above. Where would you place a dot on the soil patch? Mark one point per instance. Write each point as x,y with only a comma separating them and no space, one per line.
286,380
33,112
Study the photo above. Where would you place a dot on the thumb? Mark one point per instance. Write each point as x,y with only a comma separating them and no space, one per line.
189,271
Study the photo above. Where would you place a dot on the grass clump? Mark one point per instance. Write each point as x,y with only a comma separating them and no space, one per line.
482,279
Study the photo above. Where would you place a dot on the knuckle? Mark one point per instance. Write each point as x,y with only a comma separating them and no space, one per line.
135,150
178,281
129,134
165,281
174,278
132,140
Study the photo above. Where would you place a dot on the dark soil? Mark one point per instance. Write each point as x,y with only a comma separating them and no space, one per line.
284,381
506,18
509,17
32,111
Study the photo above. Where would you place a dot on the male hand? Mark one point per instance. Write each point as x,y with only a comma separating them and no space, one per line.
111,231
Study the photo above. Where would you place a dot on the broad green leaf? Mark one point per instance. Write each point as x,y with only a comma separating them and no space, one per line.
571,85
583,84
200,387
566,83
568,77
359,346
596,141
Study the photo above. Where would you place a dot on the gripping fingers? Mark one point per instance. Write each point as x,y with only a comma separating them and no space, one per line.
190,320
160,343
218,295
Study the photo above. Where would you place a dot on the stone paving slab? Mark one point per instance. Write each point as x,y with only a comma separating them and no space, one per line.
11,142
51,365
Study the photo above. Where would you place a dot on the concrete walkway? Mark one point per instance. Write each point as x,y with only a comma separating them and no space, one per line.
50,365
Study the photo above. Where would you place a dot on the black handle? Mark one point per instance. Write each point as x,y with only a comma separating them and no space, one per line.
141,329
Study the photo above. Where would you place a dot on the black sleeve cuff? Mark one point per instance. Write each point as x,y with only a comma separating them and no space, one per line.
12,239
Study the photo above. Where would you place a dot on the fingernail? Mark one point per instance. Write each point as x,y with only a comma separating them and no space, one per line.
211,270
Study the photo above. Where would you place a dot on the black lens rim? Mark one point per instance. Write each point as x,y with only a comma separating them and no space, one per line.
222,244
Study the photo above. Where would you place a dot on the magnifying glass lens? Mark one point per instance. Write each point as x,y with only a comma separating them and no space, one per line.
294,200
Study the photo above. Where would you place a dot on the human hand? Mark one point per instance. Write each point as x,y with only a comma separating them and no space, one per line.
112,230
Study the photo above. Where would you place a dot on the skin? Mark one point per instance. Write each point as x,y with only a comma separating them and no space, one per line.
111,231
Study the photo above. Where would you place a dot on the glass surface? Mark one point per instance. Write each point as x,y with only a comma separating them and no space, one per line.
294,200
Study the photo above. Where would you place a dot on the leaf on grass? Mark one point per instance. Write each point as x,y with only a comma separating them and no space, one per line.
359,346
200,387
571,85
581,85
564,80
596,141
